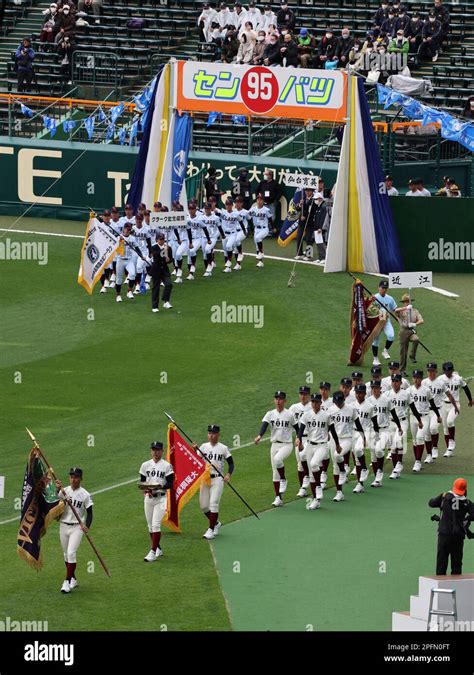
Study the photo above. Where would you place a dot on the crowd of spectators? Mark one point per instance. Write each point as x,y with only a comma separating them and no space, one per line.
416,188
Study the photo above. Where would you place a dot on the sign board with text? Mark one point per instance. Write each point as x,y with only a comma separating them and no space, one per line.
301,181
164,219
410,279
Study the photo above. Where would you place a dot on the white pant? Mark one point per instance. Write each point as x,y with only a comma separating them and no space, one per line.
122,266
70,537
278,453
300,456
140,264
208,248
195,248
377,449
399,442
448,416
229,242
317,454
419,436
182,250
338,460
210,495
358,447
239,237
260,234
155,509
433,425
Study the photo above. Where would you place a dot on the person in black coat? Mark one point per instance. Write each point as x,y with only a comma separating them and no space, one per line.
289,52
271,53
431,37
456,513
389,26
161,256
442,14
413,33
344,47
285,17
271,191
242,188
403,21
211,185
381,14
326,48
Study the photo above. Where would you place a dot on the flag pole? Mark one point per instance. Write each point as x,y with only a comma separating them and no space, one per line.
73,508
196,448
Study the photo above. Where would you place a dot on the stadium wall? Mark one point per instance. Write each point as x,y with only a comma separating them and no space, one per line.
99,176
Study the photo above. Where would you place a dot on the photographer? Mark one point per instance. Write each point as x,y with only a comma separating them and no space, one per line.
24,56
65,49
456,513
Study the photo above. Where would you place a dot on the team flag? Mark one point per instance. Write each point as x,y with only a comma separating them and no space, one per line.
366,323
39,506
99,248
189,470
289,228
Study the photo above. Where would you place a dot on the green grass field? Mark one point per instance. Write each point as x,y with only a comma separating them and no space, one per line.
104,377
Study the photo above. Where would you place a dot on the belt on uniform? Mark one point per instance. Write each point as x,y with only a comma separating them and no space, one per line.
285,442
382,428
318,442
215,475
228,232
69,523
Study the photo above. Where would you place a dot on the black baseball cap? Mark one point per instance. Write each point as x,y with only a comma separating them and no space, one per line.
338,397
192,205
280,394
375,384
376,370
388,177
346,381
357,375
156,445
239,199
396,378
160,235
448,365
213,429
431,366
229,200
207,205
139,216
304,390
128,226
360,388
75,471
393,364
383,283
106,212
417,373
316,397
128,207
325,385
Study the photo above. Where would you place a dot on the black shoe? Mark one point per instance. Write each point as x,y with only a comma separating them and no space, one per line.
412,359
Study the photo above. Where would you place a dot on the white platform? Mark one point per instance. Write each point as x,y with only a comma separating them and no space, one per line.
416,619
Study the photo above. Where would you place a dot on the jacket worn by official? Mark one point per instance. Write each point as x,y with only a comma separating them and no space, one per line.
161,256
454,512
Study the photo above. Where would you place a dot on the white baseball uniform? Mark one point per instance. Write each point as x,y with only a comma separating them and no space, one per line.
421,397
317,444
126,261
261,217
281,434
438,388
401,401
229,221
343,420
70,533
382,406
298,409
142,236
155,502
366,411
210,494
387,384
448,413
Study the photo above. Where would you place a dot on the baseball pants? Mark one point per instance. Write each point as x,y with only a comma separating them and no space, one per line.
140,264
70,537
228,243
358,447
338,460
124,266
419,436
208,248
278,453
399,443
433,425
239,237
182,250
389,334
260,234
210,495
155,509
448,416
377,449
319,452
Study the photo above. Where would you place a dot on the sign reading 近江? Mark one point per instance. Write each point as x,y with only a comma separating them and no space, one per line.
410,279
302,181
257,90
167,219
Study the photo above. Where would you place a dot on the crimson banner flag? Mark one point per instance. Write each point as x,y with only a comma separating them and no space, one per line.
188,469
366,323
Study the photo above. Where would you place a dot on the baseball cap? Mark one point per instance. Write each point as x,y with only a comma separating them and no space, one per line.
383,283
128,207
375,384
158,205
303,31
259,196
417,373
376,370
431,366
239,199
304,390
460,486
213,428
229,200
346,381
114,209
394,364
156,445
357,375
127,225
316,397
106,212
324,385
75,471
280,394
192,205
448,365
388,177
338,397
160,235
396,378
360,388
139,216
207,205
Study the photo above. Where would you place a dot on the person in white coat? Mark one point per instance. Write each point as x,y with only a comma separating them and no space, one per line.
207,17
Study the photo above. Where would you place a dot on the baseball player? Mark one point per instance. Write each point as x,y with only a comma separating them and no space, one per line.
184,237
454,382
126,263
384,409
376,372
402,400
198,234
70,530
344,417
326,403
439,389
106,218
143,240
281,422
156,476
315,424
368,419
346,388
420,432
127,218
297,409
394,369
242,231
262,221
357,378
211,222
230,221
116,224
212,484
386,301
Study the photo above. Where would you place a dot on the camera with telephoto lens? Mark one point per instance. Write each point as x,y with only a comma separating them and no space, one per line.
435,518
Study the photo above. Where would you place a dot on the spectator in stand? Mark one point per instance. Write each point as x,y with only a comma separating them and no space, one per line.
246,47
268,18
216,36
24,56
239,16
414,34
468,111
305,45
289,52
259,48
225,16
355,52
381,15
272,30
431,38
255,16
207,17
230,45
286,17
271,192
389,26
49,24
442,14
391,191
399,44
326,48
65,50
66,24
271,54
211,185
343,47
96,8
403,20
248,30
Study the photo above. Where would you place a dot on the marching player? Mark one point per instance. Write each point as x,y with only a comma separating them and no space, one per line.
402,400
423,400
212,485
128,217
262,221
344,417
230,220
156,476
376,372
315,424
183,236
70,530
198,234
298,409
394,369
449,412
346,388
439,389
389,304
368,419
125,263
107,273
326,403
281,422
357,378
212,222
242,231
142,236
384,409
